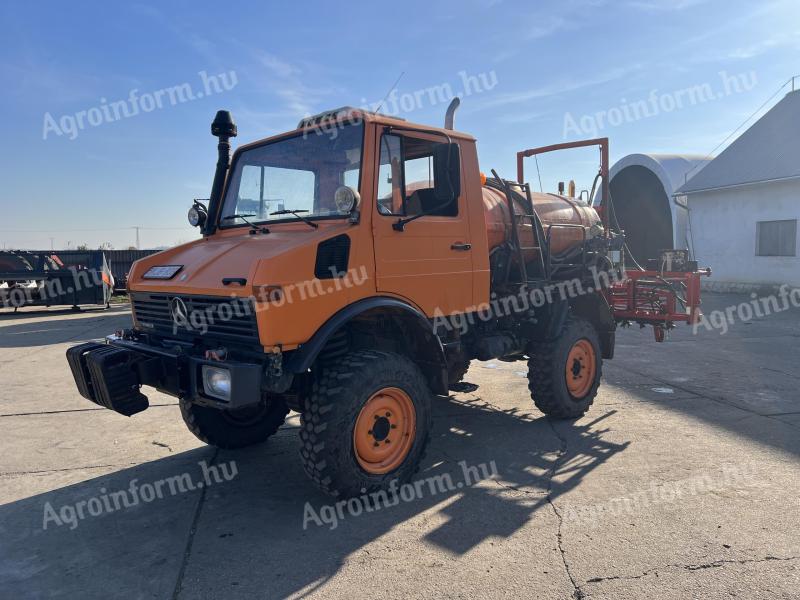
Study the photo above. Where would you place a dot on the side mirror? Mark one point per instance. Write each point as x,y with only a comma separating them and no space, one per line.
447,172
198,214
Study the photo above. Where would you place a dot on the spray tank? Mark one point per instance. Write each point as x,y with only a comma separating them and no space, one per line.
552,209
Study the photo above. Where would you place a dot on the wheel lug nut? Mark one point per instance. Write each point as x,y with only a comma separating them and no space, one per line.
369,432
394,426
386,442
388,414
376,444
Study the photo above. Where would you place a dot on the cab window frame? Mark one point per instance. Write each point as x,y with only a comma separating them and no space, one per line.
403,182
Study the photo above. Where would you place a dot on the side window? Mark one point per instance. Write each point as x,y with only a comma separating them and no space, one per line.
419,174
406,184
390,198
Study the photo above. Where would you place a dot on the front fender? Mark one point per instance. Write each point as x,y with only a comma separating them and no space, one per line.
431,357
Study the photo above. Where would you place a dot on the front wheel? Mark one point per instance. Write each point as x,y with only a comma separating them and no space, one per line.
366,423
235,428
564,375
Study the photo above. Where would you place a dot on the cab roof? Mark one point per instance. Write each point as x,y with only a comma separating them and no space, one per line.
350,115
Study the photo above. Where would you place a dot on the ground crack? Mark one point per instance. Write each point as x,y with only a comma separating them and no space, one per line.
578,593
71,410
44,471
192,530
696,567
507,486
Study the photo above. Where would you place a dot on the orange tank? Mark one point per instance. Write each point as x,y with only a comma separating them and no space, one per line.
552,210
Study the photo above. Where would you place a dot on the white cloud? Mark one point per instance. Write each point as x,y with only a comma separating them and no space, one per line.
665,5
201,45
557,88
524,117
273,74
765,45
276,65
547,27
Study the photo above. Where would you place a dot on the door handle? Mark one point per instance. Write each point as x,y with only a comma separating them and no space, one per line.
461,247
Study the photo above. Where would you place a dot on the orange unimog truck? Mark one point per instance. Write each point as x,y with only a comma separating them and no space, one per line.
350,270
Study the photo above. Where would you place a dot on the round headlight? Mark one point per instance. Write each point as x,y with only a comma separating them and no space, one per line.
346,199
196,216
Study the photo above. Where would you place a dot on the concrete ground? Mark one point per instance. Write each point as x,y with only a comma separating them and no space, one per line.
681,482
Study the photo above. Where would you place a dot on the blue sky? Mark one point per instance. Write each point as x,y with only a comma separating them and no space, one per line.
553,70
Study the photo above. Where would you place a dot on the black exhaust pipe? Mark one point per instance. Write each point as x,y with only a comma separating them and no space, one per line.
450,115
223,128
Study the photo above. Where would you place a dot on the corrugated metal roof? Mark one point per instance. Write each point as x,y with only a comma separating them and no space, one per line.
769,150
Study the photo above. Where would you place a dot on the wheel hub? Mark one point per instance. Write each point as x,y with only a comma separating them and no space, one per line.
381,428
581,368
384,431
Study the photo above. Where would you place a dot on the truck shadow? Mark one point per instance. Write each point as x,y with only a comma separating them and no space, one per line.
27,329
253,536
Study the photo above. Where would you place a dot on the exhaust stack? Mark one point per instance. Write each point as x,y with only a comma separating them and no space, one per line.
449,116
223,128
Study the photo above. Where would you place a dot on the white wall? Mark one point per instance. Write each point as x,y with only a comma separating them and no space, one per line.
723,226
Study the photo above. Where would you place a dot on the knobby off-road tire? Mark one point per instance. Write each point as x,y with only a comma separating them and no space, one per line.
563,375
366,423
234,429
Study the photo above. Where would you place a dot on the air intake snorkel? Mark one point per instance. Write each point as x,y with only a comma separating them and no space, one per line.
223,128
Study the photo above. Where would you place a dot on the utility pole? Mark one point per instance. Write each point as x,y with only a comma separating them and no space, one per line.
51,243
137,237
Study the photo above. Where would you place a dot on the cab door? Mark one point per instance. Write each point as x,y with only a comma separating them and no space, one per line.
430,261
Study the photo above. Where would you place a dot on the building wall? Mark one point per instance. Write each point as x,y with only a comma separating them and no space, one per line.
723,227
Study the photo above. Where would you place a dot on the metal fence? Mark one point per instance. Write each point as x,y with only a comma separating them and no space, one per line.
119,261
49,279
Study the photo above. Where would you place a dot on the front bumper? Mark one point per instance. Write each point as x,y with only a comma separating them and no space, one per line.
112,374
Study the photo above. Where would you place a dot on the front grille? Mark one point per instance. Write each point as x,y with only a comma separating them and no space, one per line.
228,319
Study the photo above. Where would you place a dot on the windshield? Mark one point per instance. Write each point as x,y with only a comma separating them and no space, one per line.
301,174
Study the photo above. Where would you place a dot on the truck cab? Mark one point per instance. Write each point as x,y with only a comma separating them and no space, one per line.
351,179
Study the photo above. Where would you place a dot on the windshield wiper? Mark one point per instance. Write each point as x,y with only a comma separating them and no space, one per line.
253,227
286,211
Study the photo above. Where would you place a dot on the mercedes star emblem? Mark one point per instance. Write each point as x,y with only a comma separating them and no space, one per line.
179,312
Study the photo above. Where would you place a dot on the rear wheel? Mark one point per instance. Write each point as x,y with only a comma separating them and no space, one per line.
366,423
235,428
564,375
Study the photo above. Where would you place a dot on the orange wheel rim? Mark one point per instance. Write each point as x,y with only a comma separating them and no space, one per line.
581,368
384,431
